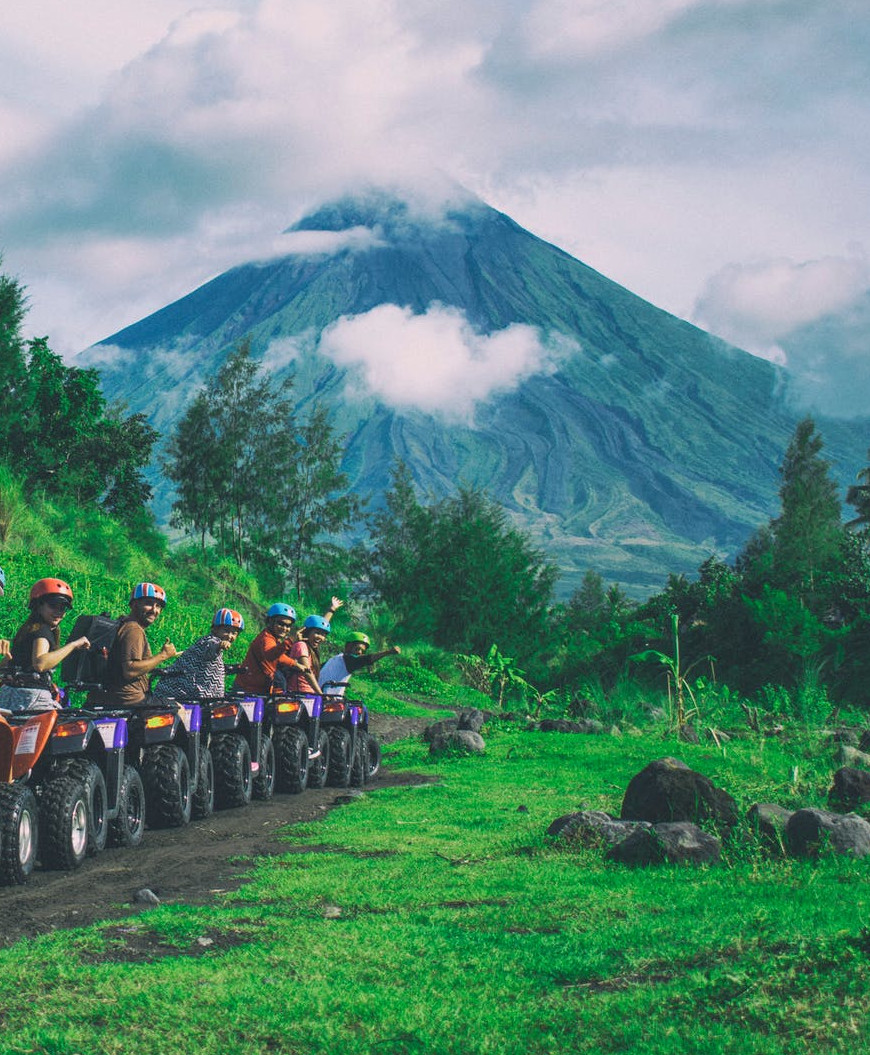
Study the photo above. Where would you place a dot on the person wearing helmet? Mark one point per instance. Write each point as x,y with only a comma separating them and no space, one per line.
200,672
36,649
306,651
131,661
267,661
336,672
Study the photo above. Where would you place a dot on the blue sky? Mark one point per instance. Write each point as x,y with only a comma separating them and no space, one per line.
710,155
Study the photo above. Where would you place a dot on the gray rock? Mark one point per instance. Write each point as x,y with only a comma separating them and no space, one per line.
769,821
593,828
459,741
441,728
562,725
851,737
146,896
688,734
811,831
676,843
864,742
851,788
667,790
471,718
851,756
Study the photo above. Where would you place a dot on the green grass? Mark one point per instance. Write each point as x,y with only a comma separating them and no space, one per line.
440,919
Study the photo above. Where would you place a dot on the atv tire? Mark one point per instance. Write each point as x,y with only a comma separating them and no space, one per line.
291,756
339,758
63,824
318,767
95,785
374,747
168,792
264,781
128,828
203,795
233,779
19,833
359,767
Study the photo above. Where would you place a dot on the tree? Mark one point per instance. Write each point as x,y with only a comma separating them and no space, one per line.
808,533
260,483
457,572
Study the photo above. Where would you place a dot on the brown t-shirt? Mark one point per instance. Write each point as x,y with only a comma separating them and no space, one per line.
131,644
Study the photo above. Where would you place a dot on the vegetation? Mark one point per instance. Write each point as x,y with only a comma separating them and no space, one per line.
441,919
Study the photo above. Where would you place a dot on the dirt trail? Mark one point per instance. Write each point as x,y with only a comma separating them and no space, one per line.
187,866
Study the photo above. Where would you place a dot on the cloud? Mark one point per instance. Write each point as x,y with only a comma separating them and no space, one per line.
654,138
756,306
437,362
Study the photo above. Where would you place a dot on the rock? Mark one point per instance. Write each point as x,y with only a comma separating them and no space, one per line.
850,789
657,714
562,725
446,725
851,756
471,718
460,741
667,790
845,736
616,731
769,821
146,896
593,828
864,742
811,831
688,734
677,843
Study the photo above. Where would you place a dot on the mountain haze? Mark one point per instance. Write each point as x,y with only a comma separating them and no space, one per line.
624,439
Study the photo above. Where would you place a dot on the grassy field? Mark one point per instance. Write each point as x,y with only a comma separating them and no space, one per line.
440,919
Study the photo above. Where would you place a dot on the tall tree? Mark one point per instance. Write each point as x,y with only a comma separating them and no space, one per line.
808,533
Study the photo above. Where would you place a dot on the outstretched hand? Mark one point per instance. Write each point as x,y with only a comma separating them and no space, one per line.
169,651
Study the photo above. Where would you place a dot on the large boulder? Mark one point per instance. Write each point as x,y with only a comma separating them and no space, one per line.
472,718
593,828
811,831
769,821
667,790
851,788
458,741
675,843
440,728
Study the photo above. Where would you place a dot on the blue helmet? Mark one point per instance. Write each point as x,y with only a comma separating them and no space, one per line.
228,617
316,622
284,610
2,580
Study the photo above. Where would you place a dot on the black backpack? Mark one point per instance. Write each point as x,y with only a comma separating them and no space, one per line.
89,665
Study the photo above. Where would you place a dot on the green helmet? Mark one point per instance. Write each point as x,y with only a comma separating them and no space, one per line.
357,636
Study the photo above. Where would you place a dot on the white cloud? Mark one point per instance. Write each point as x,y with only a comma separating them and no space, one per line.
757,305
436,362
326,243
656,139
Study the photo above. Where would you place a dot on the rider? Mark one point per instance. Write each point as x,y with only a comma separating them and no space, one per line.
130,659
336,672
36,649
199,673
306,652
268,662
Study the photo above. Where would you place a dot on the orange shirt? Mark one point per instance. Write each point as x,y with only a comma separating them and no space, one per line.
265,654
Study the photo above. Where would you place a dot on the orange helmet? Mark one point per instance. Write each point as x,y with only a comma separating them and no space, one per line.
51,590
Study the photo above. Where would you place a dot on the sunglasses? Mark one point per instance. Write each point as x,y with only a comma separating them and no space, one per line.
57,606
285,626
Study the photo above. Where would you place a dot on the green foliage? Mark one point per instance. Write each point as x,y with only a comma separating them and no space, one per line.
265,485
455,572
58,434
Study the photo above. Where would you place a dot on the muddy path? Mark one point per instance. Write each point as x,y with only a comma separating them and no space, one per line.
185,866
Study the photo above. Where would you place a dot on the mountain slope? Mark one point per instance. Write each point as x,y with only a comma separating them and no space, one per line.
639,445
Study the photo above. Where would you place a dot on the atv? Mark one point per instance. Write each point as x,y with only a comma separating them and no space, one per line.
292,723
64,790
237,758
354,753
163,747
